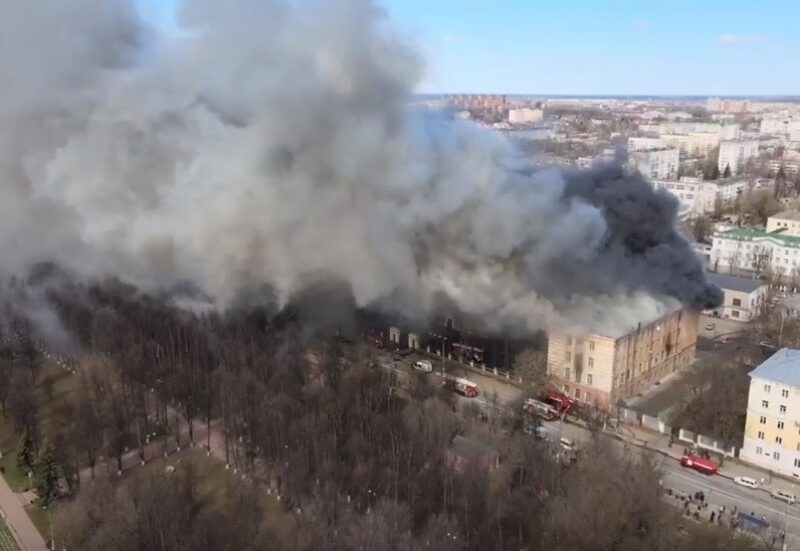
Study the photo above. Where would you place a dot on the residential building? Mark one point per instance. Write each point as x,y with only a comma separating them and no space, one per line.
644,143
771,435
656,163
790,167
786,222
735,153
702,197
601,369
751,250
692,143
727,105
742,296
525,115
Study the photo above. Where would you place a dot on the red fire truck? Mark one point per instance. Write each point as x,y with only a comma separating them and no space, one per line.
700,464
561,402
462,386
540,409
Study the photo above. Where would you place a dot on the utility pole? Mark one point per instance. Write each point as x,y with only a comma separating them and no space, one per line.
443,341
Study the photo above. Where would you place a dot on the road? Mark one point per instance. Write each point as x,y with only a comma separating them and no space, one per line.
719,491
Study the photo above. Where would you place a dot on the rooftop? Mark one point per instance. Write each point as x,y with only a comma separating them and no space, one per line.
788,215
782,367
749,234
734,283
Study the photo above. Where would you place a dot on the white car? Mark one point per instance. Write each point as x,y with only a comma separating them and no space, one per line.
783,496
710,327
568,444
746,482
423,365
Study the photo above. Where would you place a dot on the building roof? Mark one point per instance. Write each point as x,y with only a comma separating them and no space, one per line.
734,283
788,215
749,234
471,449
782,367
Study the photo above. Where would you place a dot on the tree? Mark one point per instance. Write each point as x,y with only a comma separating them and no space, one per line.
531,366
47,487
760,205
717,207
25,454
701,228
761,259
727,172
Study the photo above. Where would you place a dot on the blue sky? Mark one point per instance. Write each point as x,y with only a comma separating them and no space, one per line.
725,47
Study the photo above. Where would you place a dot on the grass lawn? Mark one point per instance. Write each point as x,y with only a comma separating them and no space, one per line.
40,519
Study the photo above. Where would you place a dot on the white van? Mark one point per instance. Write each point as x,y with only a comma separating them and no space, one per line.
423,365
783,496
746,482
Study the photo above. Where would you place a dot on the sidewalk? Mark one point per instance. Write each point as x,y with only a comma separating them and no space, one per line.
18,520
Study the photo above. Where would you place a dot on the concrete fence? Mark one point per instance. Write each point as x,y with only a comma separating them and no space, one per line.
656,424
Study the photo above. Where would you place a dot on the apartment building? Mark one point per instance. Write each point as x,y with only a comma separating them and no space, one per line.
656,163
525,115
602,369
701,197
789,166
742,297
692,143
772,430
644,143
746,249
734,154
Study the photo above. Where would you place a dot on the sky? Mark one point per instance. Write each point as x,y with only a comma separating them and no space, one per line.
583,47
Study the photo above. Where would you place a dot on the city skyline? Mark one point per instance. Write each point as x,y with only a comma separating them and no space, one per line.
629,48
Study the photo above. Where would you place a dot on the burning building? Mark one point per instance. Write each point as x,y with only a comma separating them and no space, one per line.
601,369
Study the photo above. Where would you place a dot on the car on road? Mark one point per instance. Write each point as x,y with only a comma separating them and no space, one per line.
710,326
783,496
424,366
747,482
568,444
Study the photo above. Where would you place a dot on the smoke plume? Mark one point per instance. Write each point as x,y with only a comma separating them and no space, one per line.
268,143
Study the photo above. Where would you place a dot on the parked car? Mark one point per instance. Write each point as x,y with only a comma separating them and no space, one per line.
423,365
783,496
710,326
746,482
568,444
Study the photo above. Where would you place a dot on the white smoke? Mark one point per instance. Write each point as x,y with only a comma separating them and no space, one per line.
269,142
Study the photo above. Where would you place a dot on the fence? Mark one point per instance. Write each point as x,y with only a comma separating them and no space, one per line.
631,417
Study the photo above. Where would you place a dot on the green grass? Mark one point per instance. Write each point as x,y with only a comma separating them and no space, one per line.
40,519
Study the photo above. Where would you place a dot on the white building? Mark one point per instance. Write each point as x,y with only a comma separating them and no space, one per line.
525,115
657,163
751,250
735,153
642,143
790,167
742,296
771,436
701,197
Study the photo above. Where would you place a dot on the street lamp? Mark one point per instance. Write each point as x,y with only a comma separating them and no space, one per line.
444,339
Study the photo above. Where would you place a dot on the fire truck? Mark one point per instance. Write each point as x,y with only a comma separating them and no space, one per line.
540,409
560,402
461,386
699,464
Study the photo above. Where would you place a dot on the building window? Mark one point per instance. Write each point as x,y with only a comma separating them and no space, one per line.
783,409
784,393
764,404
797,463
564,389
567,373
589,379
567,356
591,362
767,388
762,420
759,450
737,302
778,440
578,393
776,455
761,435
780,425
735,313
591,345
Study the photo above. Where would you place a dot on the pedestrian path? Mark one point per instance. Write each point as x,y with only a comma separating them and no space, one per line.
28,536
